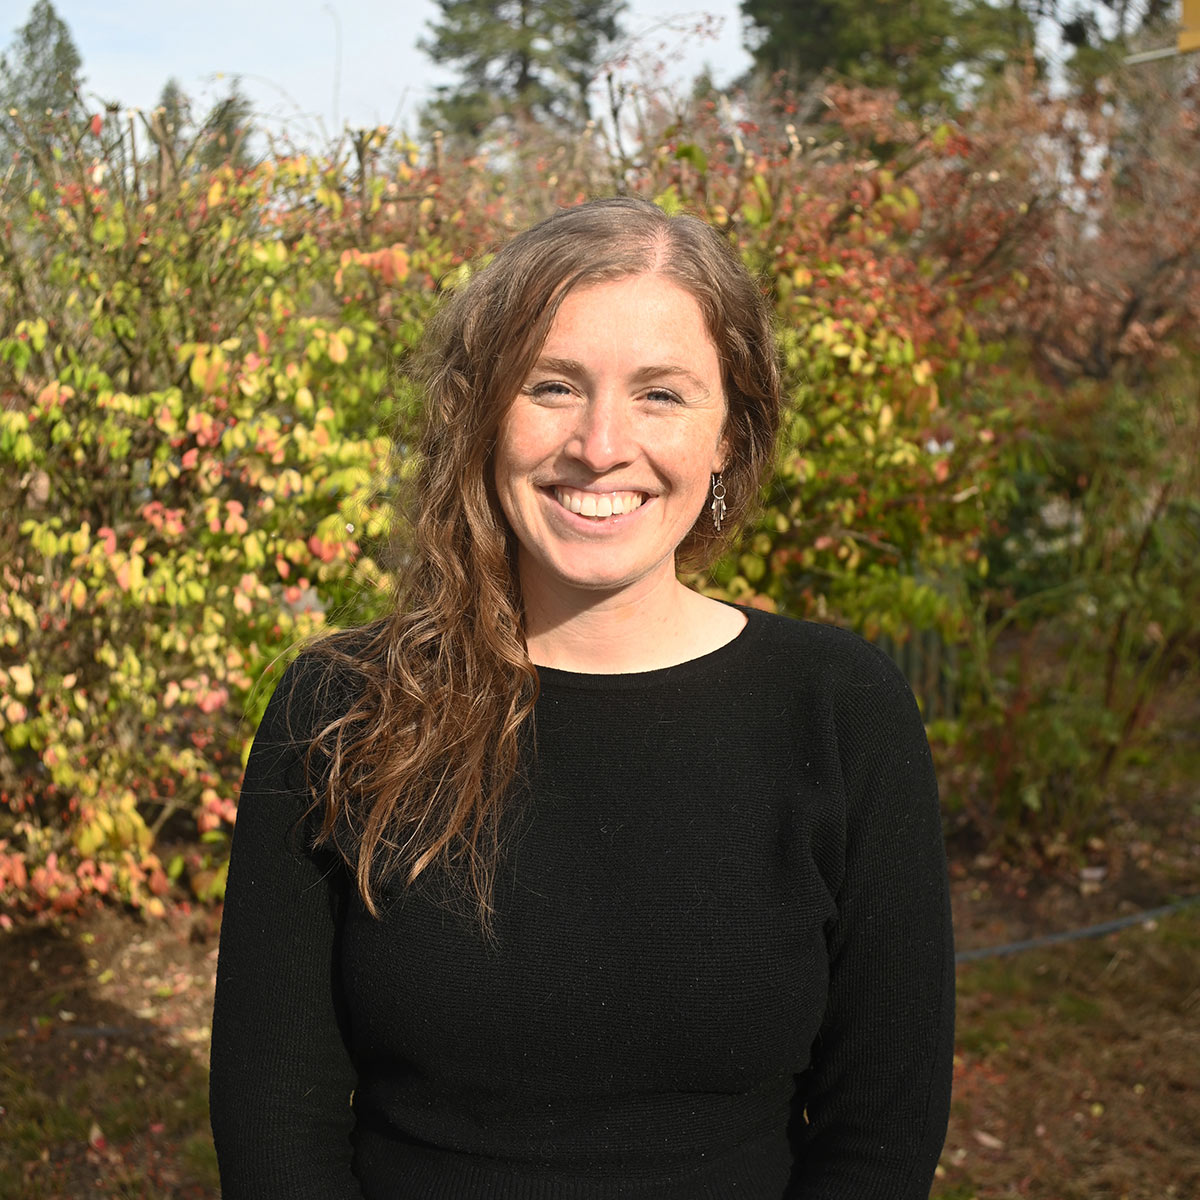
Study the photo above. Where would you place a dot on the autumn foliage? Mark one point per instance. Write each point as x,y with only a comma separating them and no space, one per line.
203,414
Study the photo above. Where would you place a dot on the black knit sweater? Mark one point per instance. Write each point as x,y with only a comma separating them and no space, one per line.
723,964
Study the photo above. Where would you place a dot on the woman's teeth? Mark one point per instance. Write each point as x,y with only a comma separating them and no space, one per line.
598,504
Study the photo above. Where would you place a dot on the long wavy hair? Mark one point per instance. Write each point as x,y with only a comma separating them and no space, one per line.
417,768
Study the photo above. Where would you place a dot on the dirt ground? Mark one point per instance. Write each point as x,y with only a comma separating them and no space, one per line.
104,1029
1077,1074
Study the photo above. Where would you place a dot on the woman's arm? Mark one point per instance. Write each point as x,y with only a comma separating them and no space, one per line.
282,1076
871,1113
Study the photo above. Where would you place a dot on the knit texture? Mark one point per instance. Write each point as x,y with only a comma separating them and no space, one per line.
723,963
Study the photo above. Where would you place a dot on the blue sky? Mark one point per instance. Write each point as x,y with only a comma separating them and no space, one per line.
286,52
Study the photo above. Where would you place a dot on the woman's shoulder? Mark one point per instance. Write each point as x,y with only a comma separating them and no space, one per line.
826,668
819,650
842,687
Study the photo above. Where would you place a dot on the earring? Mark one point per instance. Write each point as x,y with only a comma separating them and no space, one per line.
718,502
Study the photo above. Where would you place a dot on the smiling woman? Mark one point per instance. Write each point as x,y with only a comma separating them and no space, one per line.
564,880
603,462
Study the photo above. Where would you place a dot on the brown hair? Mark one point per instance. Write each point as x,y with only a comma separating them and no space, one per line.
416,772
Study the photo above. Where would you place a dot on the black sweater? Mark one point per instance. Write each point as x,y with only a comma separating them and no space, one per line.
723,964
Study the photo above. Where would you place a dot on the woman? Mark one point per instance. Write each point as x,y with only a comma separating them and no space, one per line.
564,880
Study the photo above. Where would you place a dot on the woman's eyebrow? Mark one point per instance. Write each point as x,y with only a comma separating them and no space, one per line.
668,371
561,366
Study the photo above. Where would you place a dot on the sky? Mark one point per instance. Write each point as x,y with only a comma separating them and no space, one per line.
286,52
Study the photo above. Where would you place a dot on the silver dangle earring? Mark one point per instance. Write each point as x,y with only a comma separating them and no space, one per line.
718,501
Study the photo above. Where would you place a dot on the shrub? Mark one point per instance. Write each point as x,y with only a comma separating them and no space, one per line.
199,394
199,483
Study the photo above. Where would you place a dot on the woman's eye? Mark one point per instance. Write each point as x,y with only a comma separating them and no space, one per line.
548,390
663,396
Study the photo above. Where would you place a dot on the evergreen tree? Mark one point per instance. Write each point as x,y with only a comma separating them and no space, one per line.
174,105
168,122
931,51
40,70
225,134
531,60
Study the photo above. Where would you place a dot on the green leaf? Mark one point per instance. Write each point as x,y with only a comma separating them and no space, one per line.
691,153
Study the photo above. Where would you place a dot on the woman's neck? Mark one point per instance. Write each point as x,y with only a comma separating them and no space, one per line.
636,629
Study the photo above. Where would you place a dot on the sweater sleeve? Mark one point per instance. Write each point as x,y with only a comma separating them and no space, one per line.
871,1113
282,1077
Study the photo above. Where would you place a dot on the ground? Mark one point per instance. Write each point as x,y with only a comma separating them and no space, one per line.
104,1027
1077,1072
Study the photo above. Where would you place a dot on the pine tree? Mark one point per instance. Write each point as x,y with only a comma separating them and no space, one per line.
40,71
931,51
528,60
225,134
174,105
168,122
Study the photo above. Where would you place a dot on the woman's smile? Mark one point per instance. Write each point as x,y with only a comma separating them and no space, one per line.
598,505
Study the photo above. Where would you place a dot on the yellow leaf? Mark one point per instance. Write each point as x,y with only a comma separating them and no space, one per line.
199,368
22,678
216,193
89,838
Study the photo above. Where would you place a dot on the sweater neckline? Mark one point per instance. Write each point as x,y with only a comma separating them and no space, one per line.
555,678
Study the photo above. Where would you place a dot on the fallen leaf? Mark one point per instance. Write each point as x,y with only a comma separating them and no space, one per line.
987,1140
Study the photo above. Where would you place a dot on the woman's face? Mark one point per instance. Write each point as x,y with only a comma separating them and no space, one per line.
603,459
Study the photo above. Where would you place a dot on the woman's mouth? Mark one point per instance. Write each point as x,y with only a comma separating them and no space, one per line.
598,504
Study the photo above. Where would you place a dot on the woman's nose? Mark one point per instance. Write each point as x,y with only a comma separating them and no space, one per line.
603,437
